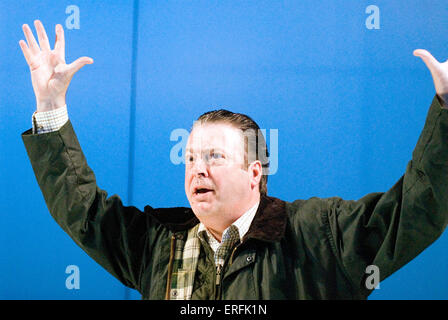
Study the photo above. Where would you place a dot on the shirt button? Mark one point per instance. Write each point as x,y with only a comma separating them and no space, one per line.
249,259
174,293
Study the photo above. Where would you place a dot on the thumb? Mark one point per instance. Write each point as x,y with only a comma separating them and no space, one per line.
427,58
78,64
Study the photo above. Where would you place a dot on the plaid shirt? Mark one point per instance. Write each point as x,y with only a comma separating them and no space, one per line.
186,253
49,121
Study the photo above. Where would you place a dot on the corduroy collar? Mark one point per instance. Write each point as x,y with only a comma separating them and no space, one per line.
268,224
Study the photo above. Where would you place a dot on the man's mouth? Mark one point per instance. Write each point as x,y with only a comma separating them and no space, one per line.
198,191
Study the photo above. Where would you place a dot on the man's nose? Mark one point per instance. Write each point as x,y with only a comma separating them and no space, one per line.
200,167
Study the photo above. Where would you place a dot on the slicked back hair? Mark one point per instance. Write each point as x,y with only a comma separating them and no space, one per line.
255,147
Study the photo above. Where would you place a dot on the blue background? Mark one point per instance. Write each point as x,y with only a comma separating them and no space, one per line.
349,104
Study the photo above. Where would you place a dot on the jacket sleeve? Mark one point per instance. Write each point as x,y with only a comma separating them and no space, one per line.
389,229
115,236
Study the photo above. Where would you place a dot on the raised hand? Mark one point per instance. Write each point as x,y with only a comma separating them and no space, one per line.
50,75
439,72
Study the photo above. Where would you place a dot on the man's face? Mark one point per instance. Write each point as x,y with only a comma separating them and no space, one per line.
216,182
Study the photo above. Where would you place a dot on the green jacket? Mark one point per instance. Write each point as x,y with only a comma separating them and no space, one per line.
306,249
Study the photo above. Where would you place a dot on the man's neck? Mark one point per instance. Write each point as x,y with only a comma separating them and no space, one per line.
218,232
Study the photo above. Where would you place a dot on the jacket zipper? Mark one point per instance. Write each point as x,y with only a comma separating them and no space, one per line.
219,268
218,274
218,282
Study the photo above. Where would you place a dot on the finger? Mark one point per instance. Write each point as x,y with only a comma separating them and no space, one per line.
78,64
32,44
59,45
427,58
26,51
42,36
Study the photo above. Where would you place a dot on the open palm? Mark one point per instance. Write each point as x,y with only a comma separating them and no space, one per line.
50,75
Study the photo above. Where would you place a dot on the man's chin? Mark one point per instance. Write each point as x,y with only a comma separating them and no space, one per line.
202,208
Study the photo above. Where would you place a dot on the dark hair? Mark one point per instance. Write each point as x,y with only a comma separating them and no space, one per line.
255,147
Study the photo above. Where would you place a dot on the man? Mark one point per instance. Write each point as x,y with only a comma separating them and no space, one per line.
235,242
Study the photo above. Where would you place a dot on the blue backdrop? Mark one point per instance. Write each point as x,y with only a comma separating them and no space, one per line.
349,102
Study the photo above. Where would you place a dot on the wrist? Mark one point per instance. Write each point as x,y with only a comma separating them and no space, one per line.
50,104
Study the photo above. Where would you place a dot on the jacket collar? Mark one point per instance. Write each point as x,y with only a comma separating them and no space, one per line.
268,224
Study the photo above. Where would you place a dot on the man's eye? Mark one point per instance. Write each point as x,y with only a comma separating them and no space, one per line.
215,155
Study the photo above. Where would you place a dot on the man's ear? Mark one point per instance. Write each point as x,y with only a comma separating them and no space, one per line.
256,171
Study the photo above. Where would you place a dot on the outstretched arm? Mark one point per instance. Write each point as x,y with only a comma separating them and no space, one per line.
387,230
120,238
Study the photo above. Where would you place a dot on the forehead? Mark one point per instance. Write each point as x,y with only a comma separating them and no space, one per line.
214,135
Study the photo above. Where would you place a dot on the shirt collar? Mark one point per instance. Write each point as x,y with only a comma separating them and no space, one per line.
242,223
